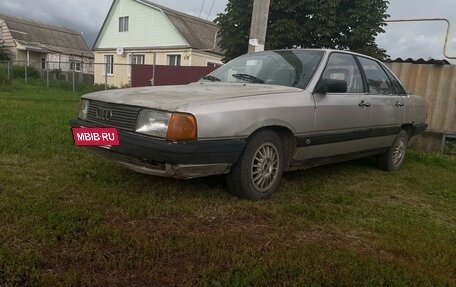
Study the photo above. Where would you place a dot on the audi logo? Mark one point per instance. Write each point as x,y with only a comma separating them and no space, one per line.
103,114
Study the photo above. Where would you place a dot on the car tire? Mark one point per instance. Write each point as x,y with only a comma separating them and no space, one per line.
257,174
393,158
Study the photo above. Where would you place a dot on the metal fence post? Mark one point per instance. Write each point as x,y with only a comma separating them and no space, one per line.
47,74
152,82
74,68
106,76
81,79
9,73
25,69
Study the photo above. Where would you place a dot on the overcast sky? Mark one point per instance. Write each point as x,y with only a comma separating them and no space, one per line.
415,40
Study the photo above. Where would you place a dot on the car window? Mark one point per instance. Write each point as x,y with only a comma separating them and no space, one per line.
377,80
294,68
344,67
396,84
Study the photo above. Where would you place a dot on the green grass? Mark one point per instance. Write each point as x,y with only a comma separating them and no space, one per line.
69,218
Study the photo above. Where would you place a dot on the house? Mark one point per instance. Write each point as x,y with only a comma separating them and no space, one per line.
142,32
45,46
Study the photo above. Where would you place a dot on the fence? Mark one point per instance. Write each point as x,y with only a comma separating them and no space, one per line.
74,74
158,75
437,83
51,72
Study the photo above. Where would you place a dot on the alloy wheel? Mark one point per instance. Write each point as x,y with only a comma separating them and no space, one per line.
265,167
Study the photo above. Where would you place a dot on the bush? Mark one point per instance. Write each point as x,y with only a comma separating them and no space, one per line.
89,88
34,79
4,79
32,72
62,85
83,88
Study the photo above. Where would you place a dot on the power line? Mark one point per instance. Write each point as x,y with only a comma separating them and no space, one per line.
210,11
202,6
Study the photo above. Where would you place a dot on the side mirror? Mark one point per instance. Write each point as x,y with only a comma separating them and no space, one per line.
325,86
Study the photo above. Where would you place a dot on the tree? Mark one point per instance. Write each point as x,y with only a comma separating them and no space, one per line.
5,54
335,24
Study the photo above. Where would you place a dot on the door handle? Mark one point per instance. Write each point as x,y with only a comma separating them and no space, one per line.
364,104
399,104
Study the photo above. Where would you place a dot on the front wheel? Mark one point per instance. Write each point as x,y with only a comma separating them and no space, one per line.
393,158
258,172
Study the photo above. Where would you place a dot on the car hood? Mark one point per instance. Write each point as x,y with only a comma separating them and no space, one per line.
170,98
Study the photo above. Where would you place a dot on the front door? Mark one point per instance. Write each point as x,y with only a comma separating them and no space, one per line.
341,119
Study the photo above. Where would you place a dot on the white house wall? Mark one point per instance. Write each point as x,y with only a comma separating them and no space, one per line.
202,59
58,62
148,27
62,62
121,75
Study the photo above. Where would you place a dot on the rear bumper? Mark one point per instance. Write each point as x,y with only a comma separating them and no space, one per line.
419,129
164,158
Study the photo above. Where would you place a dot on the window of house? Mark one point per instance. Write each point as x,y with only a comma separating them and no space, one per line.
213,64
137,59
123,24
75,66
174,60
109,64
43,63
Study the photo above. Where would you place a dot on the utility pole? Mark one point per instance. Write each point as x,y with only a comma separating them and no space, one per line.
259,25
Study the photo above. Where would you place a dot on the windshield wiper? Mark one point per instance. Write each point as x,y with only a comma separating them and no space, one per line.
247,77
211,78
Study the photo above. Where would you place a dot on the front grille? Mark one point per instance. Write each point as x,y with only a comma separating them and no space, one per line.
115,115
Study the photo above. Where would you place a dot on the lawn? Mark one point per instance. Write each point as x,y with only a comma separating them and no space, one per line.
70,218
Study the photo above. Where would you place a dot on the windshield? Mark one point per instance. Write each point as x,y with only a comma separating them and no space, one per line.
293,68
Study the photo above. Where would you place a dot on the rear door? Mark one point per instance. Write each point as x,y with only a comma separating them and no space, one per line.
387,104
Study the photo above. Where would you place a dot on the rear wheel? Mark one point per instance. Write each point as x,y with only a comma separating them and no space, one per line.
393,158
258,172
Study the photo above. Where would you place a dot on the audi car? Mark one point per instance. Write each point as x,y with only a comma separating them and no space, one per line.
261,115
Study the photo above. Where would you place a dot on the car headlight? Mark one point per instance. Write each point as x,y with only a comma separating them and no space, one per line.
172,126
154,123
83,109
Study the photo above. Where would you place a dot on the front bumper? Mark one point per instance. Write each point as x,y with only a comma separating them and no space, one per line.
165,158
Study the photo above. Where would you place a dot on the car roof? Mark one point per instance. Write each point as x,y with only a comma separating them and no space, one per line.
328,51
